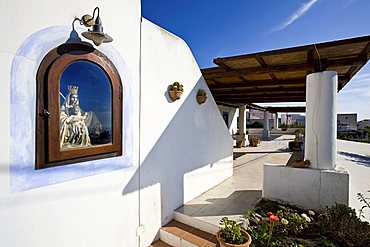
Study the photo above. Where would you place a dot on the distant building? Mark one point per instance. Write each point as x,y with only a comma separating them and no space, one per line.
253,116
347,121
290,119
363,123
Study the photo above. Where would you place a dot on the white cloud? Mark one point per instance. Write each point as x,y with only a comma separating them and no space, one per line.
296,15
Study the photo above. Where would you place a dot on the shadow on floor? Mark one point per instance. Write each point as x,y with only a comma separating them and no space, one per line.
357,158
237,203
272,136
239,154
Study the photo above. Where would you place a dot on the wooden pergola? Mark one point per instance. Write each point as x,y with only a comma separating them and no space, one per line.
280,75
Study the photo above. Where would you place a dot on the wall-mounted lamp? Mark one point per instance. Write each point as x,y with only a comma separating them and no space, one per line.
96,34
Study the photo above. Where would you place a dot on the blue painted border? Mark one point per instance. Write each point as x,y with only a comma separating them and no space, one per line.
23,115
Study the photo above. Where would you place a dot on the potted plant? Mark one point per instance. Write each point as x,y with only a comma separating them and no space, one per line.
231,234
296,145
240,140
201,96
176,91
284,127
253,141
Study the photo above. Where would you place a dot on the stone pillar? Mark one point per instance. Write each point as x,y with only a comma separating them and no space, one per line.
321,120
266,127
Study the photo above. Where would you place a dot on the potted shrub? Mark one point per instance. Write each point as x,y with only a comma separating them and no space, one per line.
240,140
231,234
176,91
201,96
253,141
296,145
284,127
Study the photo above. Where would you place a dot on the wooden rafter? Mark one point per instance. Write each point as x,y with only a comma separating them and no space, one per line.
259,91
284,68
277,109
280,75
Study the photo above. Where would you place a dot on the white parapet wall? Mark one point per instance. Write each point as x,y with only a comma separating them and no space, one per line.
185,148
304,187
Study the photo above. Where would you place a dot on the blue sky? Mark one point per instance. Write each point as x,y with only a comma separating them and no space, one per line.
219,28
90,84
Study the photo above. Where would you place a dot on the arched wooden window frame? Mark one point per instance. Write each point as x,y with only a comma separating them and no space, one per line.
48,151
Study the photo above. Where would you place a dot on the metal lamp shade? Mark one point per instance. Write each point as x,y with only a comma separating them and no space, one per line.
96,34
97,37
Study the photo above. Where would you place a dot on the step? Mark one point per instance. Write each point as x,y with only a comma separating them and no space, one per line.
193,221
160,243
179,234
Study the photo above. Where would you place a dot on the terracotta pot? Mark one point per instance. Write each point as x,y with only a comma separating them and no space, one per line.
201,99
222,243
174,94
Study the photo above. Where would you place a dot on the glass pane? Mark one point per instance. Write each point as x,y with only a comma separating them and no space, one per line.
85,106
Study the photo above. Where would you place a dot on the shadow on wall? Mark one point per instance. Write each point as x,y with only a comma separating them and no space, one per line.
358,159
196,137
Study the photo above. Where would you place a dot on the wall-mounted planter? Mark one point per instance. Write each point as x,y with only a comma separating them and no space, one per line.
175,91
174,94
201,96
201,99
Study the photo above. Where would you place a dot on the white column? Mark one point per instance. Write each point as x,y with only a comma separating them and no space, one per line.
240,141
275,120
266,127
321,120
241,123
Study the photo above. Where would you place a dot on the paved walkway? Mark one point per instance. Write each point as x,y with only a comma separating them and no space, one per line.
240,193
355,158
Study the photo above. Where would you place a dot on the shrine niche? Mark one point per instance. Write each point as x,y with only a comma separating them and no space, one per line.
79,107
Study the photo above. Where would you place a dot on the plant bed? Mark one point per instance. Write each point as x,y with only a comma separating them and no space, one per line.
276,224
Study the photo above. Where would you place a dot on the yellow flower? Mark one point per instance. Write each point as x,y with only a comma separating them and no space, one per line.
310,212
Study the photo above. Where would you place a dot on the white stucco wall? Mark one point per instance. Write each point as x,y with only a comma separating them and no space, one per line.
305,187
185,147
233,115
71,210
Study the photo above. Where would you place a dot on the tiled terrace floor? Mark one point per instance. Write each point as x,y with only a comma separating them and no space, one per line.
240,193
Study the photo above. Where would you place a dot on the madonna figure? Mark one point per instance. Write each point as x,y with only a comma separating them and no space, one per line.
74,131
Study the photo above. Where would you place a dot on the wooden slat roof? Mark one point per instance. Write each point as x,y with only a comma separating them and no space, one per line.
280,75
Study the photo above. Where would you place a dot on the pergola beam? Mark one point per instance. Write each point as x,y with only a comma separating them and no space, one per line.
319,46
280,75
354,61
277,109
258,91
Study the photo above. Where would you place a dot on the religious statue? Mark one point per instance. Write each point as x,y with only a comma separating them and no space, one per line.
74,130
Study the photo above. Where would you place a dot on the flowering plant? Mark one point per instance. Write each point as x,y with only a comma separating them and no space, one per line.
272,219
231,232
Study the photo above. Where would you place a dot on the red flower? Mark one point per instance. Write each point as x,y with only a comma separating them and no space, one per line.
273,217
